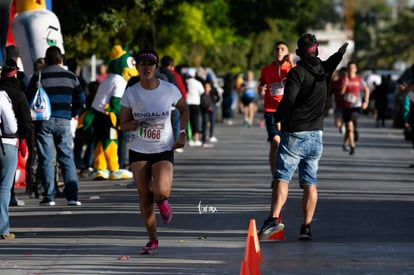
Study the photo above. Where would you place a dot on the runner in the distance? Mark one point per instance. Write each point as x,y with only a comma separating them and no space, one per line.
272,81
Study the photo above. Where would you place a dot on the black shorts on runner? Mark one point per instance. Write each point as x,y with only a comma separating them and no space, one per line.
151,158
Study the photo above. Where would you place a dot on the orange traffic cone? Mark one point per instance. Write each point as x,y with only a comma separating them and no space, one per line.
244,269
250,265
280,236
253,233
20,175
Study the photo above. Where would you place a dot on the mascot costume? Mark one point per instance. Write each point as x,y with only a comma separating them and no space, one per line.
35,29
104,115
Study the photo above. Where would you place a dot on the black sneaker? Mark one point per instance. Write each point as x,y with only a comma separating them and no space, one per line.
47,202
305,233
352,151
270,226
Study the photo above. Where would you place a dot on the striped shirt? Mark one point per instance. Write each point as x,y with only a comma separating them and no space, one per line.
66,95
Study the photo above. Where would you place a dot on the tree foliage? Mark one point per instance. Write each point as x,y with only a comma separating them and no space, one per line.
228,35
402,47
382,40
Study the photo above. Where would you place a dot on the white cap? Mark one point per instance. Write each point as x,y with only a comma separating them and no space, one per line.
191,72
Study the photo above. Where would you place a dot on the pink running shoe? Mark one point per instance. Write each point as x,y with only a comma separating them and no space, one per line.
150,248
166,211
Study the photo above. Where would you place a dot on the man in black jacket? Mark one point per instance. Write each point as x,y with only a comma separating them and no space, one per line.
13,86
301,113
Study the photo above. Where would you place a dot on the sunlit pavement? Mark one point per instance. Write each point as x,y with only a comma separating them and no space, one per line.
363,224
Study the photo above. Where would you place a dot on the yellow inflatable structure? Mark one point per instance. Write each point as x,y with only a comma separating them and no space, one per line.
35,29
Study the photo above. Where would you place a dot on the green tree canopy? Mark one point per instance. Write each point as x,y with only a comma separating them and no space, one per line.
230,35
380,38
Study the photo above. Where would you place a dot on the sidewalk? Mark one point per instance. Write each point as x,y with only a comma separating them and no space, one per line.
363,223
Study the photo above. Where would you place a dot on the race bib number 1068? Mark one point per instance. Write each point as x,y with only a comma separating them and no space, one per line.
150,134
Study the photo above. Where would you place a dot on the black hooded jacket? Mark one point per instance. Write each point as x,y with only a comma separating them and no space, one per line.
304,101
21,110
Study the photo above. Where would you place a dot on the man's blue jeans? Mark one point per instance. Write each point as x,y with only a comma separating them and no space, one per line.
52,136
123,138
8,163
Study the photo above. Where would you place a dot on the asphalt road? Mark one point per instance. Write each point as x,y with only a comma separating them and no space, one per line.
363,224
